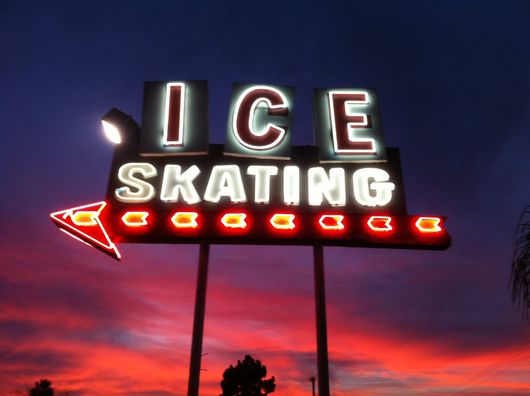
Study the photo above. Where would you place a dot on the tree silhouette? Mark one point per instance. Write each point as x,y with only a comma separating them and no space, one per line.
247,378
520,279
42,388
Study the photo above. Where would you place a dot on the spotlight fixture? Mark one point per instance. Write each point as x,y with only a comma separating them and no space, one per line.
118,126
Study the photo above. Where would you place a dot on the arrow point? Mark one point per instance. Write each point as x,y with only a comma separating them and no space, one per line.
83,223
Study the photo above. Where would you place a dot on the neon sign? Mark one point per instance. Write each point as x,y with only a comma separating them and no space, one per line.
167,184
370,187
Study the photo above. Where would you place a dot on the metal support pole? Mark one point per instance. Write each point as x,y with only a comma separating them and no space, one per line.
198,321
322,337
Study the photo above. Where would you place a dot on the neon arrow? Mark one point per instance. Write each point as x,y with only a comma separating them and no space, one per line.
84,224
331,222
135,219
185,220
234,220
283,221
428,224
380,223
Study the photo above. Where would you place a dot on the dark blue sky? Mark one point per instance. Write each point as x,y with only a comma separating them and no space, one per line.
454,87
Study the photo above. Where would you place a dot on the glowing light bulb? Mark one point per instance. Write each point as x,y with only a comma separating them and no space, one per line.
111,132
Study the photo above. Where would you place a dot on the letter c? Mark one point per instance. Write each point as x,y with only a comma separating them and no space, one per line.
269,136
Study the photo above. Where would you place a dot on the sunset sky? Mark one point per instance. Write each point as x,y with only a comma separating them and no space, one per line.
453,80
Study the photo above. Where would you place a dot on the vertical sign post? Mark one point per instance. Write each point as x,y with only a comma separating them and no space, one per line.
320,308
198,320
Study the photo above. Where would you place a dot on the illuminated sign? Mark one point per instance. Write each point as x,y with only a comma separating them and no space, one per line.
167,184
174,118
348,126
259,121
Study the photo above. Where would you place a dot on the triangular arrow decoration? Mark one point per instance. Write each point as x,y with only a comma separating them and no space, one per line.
84,224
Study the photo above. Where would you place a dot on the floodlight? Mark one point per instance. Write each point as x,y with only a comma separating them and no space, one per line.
118,126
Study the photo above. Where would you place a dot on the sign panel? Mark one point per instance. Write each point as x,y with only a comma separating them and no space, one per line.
219,182
247,200
256,189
